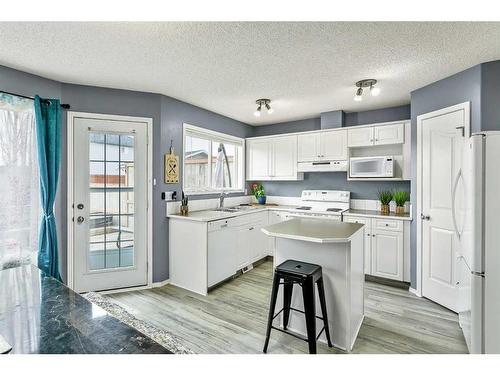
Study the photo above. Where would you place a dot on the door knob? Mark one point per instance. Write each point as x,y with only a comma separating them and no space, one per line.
425,217
80,219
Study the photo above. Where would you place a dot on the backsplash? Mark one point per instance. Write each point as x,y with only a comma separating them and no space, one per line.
333,181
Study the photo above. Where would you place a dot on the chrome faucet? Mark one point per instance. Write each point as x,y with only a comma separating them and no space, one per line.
222,195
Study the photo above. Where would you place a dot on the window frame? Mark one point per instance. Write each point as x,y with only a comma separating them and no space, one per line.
211,136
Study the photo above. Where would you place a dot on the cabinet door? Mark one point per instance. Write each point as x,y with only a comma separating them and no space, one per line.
258,243
368,240
243,247
387,254
333,145
389,134
258,159
221,262
308,147
360,137
284,157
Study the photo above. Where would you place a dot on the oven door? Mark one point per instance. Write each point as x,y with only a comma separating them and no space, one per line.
367,167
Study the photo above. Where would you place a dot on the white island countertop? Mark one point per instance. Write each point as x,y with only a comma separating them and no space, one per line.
313,230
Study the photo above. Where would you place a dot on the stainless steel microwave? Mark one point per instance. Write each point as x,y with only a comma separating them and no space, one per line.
371,167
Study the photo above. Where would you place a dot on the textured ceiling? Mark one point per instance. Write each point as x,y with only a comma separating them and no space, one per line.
304,68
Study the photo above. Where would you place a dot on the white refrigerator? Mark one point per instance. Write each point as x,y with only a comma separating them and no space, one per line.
476,217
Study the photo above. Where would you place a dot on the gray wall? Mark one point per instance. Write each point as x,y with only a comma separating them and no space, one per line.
490,96
333,181
332,119
288,127
461,87
378,115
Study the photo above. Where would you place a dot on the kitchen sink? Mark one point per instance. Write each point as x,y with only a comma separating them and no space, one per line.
227,209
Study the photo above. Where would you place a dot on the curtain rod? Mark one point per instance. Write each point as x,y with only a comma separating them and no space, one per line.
65,106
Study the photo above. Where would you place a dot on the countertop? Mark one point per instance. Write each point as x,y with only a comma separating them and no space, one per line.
212,215
376,214
313,230
38,314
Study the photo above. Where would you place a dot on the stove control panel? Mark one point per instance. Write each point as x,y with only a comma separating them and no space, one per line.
326,195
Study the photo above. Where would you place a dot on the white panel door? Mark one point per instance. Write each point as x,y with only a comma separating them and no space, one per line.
442,147
360,137
389,134
333,145
110,191
387,254
284,158
258,159
308,147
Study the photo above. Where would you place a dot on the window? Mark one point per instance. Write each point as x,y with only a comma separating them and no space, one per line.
213,161
19,188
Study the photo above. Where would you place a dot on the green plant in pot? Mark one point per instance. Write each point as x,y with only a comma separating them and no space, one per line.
401,197
385,197
259,193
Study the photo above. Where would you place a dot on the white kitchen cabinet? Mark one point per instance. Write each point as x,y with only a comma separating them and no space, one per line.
221,255
243,249
387,246
324,145
376,135
308,147
272,158
333,145
284,158
389,134
387,254
258,159
359,137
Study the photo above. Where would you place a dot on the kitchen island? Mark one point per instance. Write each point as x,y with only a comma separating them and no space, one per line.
338,248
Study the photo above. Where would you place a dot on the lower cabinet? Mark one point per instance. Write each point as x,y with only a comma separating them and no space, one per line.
387,254
387,247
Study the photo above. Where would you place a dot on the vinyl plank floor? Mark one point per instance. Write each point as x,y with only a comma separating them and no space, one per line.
233,317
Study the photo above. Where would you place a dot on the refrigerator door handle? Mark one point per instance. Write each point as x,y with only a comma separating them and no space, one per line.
453,198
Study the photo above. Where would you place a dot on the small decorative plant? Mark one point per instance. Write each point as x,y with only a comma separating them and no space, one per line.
385,197
401,197
259,193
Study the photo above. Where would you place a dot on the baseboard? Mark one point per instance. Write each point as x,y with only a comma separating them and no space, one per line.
414,291
389,282
159,284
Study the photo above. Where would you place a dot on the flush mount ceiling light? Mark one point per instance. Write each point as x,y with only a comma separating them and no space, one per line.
263,102
374,91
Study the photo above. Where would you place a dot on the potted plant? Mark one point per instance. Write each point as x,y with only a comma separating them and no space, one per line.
259,193
401,197
385,197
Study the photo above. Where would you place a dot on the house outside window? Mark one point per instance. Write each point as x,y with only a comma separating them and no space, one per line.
213,161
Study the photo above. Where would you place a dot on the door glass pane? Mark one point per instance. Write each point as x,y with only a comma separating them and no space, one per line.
111,211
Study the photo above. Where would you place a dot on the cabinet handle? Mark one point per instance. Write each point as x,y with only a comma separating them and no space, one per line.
373,235
386,224
223,226
251,228
368,234
376,139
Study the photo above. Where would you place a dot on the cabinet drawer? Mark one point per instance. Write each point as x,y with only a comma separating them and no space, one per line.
359,220
388,224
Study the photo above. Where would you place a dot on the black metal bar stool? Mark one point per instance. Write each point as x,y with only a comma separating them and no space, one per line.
306,275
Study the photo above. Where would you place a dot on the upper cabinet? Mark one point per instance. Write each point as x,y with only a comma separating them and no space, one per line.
376,135
272,158
322,146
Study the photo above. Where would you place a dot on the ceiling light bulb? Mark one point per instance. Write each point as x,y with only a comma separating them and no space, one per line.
269,109
374,91
358,97
257,112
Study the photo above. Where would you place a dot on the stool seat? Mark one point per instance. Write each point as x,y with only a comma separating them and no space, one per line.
298,268
307,276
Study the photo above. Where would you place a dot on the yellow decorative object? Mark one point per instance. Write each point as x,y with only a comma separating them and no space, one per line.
171,168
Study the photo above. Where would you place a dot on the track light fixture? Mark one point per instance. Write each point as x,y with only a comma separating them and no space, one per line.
263,102
374,91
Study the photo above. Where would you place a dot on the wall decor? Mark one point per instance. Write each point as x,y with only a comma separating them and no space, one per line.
171,166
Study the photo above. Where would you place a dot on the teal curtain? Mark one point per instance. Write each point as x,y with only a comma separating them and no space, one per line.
48,132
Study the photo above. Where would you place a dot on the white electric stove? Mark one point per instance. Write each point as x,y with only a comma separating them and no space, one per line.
322,204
